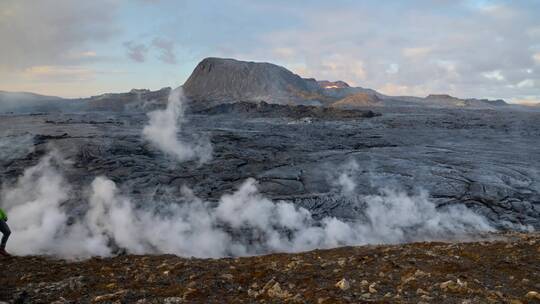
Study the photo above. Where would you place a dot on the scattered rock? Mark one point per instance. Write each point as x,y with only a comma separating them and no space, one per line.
451,286
109,297
372,288
420,291
343,284
59,301
253,293
533,295
173,300
111,286
296,299
426,297
276,292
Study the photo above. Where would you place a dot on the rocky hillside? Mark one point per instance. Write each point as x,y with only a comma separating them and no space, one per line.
23,101
266,110
136,99
229,80
444,100
504,270
358,100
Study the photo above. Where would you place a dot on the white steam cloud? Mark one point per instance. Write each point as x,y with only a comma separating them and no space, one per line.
344,181
241,223
33,205
164,125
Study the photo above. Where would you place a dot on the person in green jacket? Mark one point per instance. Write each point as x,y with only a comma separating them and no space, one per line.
4,228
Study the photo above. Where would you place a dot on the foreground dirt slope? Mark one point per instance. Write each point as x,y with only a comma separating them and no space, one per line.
505,270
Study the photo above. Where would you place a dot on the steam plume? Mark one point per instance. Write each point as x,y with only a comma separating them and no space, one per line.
242,223
164,125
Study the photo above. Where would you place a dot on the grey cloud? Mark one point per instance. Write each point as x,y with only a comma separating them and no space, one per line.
449,50
50,32
437,45
166,49
136,51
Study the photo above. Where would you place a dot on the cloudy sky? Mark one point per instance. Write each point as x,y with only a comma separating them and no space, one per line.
467,48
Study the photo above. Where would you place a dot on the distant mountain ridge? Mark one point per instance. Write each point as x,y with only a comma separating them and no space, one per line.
221,80
445,99
136,99
218,80
16,101
228,80
25,95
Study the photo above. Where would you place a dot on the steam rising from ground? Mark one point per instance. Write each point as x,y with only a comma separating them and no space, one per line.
164,125
241,223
